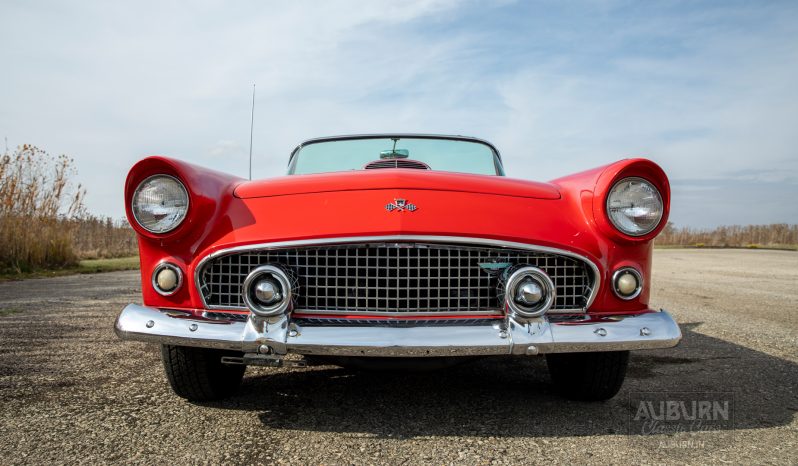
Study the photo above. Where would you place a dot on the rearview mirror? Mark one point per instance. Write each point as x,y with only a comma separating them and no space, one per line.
395,154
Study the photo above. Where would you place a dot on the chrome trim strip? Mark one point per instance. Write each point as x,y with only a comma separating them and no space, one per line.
401,238
419,341
281,336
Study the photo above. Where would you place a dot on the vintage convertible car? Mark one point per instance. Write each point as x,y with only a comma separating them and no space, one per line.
395,247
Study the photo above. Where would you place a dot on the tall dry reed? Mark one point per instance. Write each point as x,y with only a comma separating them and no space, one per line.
38,208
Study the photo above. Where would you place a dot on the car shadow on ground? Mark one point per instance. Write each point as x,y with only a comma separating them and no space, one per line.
514,396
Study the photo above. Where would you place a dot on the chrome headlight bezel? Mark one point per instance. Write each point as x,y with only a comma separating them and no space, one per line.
134,205
643,231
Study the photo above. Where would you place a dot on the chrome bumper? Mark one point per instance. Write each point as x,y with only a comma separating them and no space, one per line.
280,336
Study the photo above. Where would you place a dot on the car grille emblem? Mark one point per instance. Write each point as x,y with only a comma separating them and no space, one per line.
494,267
401,205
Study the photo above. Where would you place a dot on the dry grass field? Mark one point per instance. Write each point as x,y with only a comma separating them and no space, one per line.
72,392
43,222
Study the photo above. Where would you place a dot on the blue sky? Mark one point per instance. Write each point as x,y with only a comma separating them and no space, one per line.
706,89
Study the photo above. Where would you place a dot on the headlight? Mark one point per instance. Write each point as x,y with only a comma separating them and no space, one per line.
634,206
160,203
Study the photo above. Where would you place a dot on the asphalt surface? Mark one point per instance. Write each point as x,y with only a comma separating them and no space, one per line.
70,392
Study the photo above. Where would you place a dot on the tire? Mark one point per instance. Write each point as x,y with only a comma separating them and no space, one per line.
588,376
197,374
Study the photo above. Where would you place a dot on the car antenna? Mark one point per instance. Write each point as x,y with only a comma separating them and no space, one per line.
251,129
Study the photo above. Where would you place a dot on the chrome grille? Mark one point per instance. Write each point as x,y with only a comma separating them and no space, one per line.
366,321
399,277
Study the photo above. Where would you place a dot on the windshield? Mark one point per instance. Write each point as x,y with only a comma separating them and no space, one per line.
452,155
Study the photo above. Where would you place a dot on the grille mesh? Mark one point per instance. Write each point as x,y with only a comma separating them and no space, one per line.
396,278
366,321
397,163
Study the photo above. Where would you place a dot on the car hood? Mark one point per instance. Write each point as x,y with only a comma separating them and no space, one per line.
395,178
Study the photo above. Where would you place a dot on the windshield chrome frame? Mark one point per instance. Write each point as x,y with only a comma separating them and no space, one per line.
497,156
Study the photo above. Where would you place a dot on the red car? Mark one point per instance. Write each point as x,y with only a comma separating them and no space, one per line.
395,247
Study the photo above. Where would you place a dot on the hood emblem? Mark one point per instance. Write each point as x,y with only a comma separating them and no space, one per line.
401,205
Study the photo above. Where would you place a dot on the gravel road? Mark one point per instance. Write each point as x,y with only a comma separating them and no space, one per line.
70,392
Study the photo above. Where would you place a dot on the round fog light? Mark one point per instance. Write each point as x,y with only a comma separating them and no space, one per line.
167,278
267,291
527,291
627,283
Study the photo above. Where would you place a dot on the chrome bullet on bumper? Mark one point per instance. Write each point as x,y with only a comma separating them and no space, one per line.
278,335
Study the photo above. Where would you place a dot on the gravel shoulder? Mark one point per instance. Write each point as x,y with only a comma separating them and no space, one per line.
71,392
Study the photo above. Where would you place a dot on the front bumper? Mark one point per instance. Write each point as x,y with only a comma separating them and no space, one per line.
504,337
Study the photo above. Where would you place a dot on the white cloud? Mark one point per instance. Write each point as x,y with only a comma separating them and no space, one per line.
226,148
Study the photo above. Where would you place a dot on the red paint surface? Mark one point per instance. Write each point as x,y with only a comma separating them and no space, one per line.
567,213
361,180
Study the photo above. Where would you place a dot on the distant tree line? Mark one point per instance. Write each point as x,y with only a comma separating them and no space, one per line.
103,237
775,236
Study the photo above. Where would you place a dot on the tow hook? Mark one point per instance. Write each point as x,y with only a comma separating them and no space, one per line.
268,360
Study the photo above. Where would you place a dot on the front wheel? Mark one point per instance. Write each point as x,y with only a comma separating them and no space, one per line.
588,376
197,374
